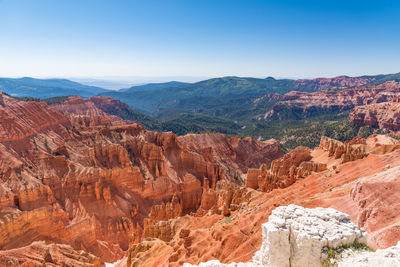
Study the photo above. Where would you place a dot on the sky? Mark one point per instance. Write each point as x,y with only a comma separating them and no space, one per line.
198,38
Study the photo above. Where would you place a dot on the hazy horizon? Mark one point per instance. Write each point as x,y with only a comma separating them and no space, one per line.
122,82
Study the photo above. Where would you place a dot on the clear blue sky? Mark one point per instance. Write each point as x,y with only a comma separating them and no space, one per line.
92,38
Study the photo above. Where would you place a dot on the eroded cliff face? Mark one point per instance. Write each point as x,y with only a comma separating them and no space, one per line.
103,184
41,254
235,236
242,152
284,171
302,161
19,120
335,82
344,152
383,115
89,111
376,206
304,104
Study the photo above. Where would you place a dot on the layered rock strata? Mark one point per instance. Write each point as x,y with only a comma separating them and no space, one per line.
301,161
41,254
345,152
243,152
383,115
104,186
284,171
201,237
89,111
304,104
335,82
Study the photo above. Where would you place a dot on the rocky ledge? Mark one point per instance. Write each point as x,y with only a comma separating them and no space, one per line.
298,237
389,257
50,255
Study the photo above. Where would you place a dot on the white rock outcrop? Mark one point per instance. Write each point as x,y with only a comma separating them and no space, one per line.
389,257
297,237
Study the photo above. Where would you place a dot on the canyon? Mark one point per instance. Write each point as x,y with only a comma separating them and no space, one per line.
83,180
82,186
341,183
199,133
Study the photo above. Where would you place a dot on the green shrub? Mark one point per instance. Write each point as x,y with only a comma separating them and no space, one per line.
335,253
45,142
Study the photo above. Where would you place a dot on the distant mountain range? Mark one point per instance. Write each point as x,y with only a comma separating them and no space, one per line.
152,96
45,88
218,96
152,86
151,100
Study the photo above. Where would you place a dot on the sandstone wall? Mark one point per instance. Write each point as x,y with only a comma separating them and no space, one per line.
383,115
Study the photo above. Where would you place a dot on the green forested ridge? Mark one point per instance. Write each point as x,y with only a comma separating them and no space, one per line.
152,86
45,88
384,77
217,89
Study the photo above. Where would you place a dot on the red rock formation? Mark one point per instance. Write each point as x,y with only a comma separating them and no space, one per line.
336,82
20,120
167,211
305,103
343,151
356,141
170,199
102,188
235,238
252,178
242,152
377,206
88,111
382,115
42,254
284,171
149,246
